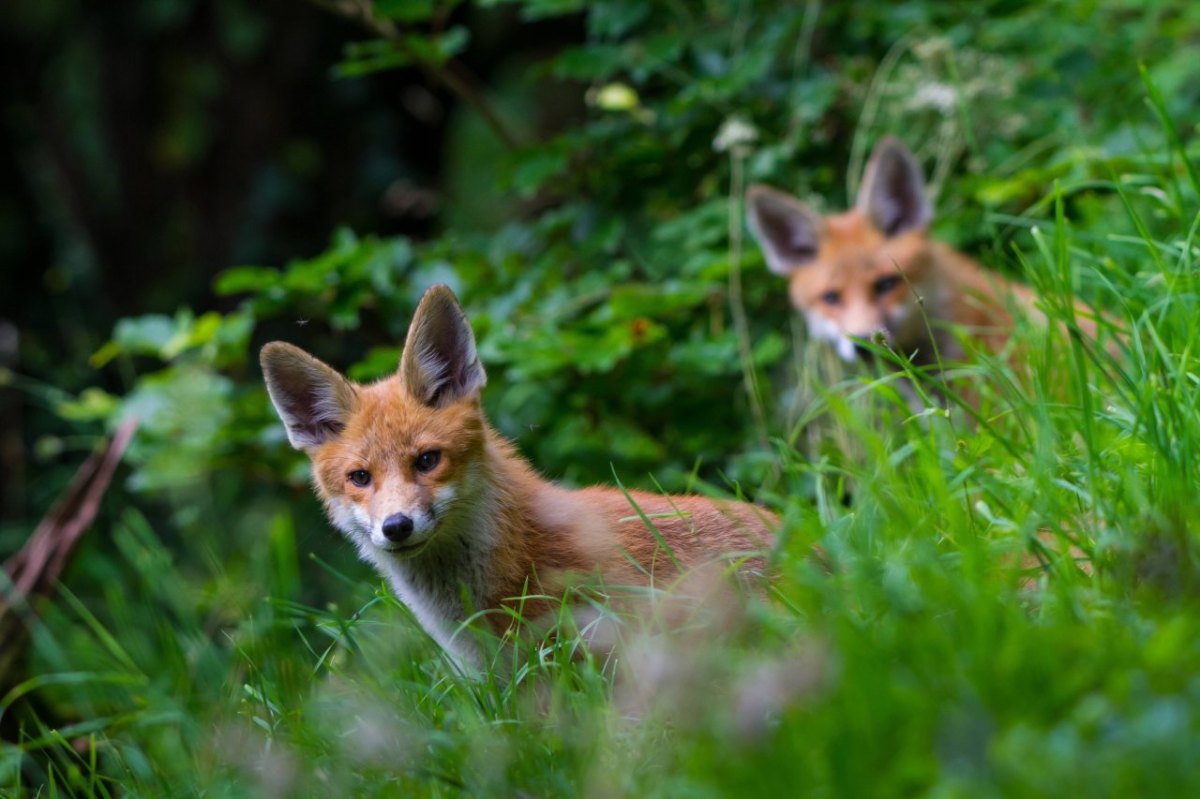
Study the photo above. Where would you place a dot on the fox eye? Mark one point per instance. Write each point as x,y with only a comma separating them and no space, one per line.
426,461
360,477
831,297
886,284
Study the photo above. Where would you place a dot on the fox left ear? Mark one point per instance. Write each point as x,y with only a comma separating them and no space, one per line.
440,365
893,190
787,230
312,399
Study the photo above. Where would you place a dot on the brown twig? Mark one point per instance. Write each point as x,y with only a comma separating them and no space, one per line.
36,567
454,75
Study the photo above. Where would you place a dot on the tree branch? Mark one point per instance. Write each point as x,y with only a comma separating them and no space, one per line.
37,565
454,75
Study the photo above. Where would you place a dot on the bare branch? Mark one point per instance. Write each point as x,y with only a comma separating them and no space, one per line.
36,567
454,75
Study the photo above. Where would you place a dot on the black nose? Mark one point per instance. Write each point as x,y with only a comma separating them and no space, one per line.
863,352
397,527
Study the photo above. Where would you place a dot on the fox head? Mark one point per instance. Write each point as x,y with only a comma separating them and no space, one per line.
853,274
393,461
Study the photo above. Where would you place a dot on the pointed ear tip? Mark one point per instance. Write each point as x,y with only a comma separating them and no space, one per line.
762,192
272,350
440,291
891,145
278,357
437,299
758,198
277,349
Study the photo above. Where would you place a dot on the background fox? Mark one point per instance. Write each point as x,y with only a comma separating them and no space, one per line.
873,270
411,472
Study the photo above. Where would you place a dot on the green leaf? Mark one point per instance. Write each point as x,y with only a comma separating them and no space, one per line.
183,411
91,404
534,10
366,58
144,335
377,55
536,169
439,49
405,10
616,19
589,63
245,280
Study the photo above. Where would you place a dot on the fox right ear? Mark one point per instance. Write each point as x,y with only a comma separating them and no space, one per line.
440,365
787,230
893,194
312,399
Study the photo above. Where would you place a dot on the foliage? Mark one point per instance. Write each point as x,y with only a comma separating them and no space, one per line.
217,639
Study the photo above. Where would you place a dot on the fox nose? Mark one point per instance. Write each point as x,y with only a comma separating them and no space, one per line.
863,352
397,527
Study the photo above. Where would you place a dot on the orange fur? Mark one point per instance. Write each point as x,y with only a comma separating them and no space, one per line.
488,530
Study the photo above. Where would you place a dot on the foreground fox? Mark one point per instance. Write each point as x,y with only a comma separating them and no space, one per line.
442,505
874,271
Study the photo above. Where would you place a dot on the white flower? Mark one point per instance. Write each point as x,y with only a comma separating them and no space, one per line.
940,97
735,134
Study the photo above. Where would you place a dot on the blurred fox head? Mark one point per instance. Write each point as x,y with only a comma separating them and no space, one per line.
853,274
396,460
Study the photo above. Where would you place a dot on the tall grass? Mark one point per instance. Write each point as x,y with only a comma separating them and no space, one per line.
1009,609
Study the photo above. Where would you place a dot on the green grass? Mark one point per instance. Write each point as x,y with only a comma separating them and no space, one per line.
954,648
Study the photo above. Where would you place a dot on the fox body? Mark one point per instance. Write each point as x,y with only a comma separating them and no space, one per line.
410,471
874,271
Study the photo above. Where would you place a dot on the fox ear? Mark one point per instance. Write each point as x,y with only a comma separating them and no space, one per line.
787,230
892,194
312,399
440,364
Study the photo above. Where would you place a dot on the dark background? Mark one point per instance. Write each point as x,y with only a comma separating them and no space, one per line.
147,146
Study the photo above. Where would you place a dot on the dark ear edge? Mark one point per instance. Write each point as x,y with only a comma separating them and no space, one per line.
892,194
312,399
787,231
440,364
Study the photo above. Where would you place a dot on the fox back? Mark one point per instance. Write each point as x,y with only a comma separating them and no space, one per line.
410,471
873,271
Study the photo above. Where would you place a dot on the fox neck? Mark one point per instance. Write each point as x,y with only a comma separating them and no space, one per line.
924,333
457,575
979,302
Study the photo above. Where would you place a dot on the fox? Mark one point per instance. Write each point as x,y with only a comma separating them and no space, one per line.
873,272
411,472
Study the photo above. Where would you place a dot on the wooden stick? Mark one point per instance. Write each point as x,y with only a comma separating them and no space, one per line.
36,567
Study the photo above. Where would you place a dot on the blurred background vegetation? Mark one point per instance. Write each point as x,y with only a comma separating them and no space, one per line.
183,181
